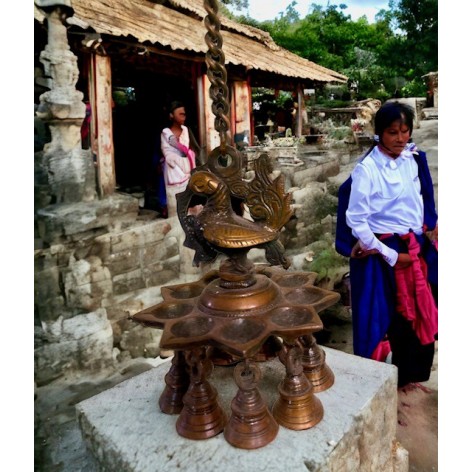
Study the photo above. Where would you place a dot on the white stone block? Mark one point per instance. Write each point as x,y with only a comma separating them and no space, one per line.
125,429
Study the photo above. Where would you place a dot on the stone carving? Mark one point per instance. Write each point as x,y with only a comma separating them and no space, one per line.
71,172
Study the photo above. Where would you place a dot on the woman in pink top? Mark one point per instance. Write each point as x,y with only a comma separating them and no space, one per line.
178,157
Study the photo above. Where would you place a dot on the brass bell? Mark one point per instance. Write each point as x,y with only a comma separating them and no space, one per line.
297,407
298,411
251,424
201,416
314,364
177,381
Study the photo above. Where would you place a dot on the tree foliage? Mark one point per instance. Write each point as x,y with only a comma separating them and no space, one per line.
419,21
385,58
237,4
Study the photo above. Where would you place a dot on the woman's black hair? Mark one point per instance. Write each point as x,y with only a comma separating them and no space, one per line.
387,114
393,111
174,105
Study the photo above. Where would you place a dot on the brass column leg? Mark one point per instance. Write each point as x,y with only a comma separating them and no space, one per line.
314,365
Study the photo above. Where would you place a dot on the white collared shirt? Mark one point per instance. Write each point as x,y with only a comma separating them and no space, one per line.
385,198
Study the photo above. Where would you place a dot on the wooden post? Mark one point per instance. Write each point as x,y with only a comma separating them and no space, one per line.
212,136
100,93
250,111
241,111
201,108
299,111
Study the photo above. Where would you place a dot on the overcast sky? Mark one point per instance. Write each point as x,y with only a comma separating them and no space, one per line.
268,10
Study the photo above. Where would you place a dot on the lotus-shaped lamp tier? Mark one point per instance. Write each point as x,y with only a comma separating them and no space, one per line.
238,321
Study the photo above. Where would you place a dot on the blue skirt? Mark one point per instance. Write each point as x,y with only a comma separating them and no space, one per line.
373,301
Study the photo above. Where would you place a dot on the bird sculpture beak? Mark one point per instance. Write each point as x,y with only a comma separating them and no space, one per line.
212,185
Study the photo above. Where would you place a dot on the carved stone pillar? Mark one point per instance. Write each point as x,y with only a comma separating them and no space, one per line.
71,172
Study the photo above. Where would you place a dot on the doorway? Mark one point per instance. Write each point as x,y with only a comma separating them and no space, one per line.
141,97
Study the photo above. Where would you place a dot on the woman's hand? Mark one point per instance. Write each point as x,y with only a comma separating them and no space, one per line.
358,253
433,235
403,261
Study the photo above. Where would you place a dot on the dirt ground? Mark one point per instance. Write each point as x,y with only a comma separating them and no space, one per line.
417,428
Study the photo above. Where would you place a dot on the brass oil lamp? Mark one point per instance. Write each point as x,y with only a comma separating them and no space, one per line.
241,313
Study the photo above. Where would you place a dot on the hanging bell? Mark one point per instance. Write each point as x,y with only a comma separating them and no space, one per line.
201,416
296,407
251,424
314,364
177,381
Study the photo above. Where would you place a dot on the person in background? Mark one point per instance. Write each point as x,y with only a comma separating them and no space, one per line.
389,231
178,156
85,128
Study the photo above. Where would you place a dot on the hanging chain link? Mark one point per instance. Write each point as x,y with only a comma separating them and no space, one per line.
215,60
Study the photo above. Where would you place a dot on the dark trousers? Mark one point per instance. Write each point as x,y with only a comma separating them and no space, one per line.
413,359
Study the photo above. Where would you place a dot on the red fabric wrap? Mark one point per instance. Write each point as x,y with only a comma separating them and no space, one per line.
382,351
414,298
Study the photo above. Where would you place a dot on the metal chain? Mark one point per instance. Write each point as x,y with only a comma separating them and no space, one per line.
216,71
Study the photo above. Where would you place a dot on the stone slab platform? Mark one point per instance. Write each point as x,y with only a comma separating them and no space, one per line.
125,430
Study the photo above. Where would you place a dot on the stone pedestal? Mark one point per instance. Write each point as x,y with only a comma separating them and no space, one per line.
125,430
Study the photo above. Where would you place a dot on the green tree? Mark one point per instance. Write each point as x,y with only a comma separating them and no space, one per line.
385,58
418,20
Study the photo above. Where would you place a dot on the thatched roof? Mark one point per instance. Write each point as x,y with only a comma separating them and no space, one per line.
178,24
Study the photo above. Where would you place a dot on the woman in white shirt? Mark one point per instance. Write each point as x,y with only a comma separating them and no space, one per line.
178,157
391,207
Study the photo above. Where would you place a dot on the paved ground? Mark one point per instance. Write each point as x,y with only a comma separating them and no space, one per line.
58,443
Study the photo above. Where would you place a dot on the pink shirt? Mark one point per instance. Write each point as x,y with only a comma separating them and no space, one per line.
177,162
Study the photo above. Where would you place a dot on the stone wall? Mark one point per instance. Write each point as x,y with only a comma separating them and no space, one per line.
95,266
98,259
311,177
